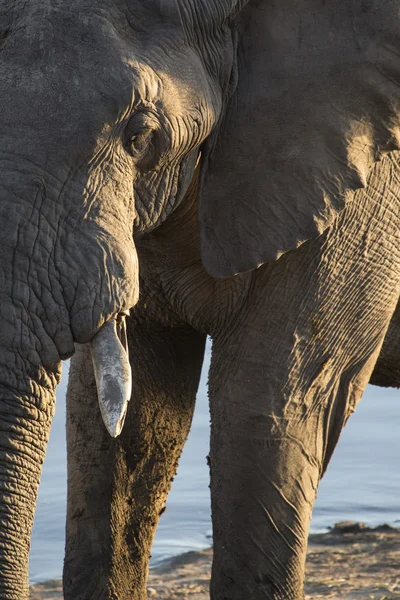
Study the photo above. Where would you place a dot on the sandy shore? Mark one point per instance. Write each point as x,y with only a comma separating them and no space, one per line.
352,562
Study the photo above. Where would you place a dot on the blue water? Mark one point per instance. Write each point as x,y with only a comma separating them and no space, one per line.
362,483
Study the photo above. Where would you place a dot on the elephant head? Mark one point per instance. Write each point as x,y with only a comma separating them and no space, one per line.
105,110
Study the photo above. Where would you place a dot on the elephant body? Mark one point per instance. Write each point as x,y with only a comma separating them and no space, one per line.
227,168
283,382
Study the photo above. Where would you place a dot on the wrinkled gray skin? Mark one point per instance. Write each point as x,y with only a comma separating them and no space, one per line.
104,106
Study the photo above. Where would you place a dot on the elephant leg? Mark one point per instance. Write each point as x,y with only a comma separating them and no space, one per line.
283,382
117,488
387,368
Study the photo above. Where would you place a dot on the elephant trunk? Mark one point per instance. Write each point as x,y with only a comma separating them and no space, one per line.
29,369
27,401
58,285
67,279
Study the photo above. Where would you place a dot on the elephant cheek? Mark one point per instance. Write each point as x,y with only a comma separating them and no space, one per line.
112,370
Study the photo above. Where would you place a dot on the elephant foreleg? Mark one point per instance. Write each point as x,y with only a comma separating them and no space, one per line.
117,488
284,381
387,369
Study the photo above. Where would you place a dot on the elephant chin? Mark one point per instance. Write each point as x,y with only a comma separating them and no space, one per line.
112,372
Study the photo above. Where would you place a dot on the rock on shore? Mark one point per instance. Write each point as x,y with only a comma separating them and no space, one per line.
351,562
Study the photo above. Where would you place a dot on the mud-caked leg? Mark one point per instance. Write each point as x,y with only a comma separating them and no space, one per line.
117,488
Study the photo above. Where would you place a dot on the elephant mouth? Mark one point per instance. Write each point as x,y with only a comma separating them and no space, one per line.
112,370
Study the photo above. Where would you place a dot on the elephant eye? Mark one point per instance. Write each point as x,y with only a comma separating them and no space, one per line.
140,141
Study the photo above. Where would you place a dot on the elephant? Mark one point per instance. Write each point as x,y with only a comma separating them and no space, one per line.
245,155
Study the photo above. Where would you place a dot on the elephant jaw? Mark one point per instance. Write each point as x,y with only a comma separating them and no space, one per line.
112,371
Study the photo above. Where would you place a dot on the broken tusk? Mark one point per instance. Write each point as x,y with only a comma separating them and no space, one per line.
112,371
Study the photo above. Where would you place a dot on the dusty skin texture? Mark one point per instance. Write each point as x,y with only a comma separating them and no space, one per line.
350,563
292,113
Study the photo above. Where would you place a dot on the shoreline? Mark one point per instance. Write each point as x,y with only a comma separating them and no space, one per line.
350,562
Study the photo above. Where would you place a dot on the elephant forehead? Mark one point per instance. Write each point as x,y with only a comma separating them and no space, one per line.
72,58
81,47
63,76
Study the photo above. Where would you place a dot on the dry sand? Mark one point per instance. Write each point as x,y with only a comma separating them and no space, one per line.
352,562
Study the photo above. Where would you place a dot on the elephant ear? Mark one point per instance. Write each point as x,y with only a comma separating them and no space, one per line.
317,103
